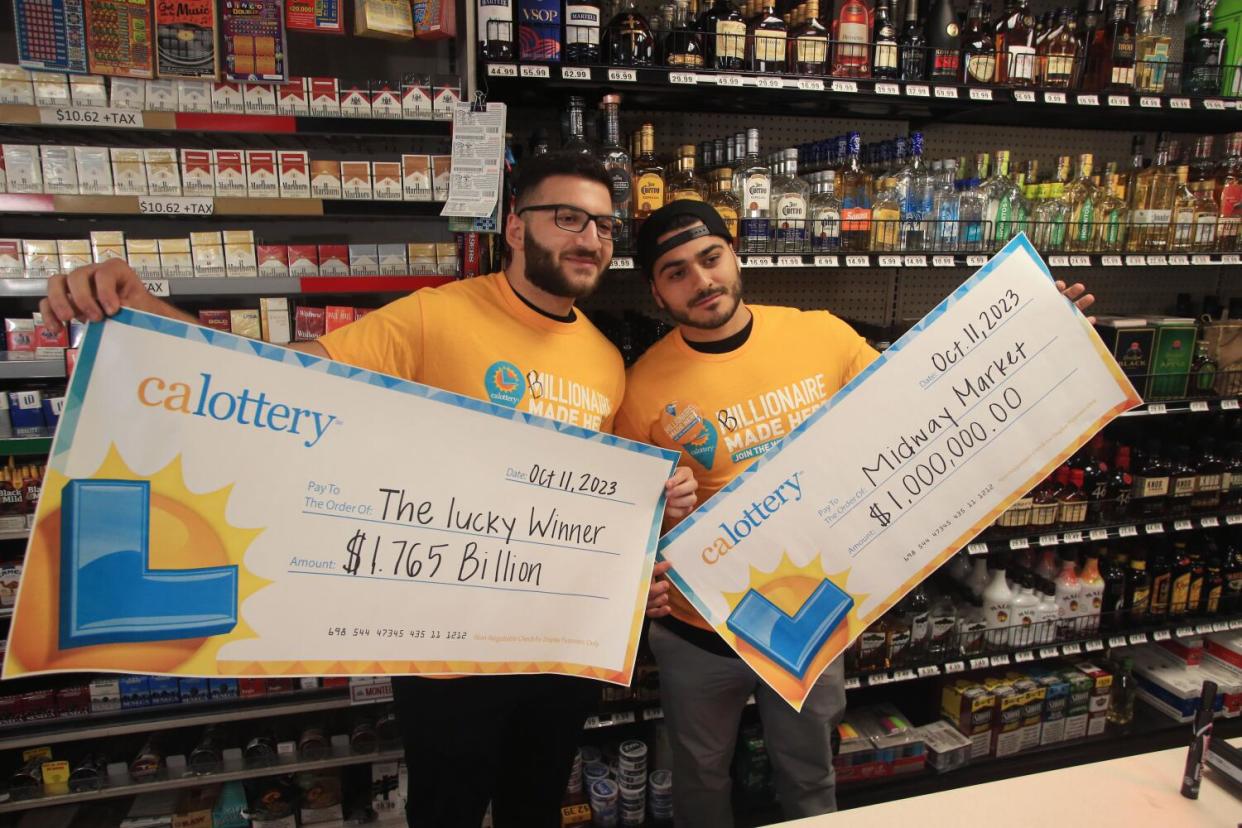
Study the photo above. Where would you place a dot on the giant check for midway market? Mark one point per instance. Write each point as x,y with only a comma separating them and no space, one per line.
216,506
977,403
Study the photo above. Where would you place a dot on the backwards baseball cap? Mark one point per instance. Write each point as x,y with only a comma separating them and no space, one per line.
668,218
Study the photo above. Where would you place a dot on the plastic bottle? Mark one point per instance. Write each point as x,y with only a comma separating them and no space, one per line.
1069,596
998,605
1047,613
978,579
1091,600
1025,611
1049,565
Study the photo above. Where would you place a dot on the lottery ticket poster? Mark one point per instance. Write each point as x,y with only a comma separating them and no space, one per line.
320,16
119,35
253,32
51,35
185,32
1001,383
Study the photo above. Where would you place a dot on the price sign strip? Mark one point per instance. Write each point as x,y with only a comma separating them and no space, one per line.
1098,533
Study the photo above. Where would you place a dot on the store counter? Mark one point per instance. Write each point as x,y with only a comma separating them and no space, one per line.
1135,791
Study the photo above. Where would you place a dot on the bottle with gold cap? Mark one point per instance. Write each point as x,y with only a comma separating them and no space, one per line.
1114,216
648,175
1082,198
724,199
683,183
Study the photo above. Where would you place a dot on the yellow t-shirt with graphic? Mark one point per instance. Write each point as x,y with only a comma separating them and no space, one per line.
476,337
723,411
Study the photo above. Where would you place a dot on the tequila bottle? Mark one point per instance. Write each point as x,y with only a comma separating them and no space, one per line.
1081,199
683,183
617,161
752,182
855,199
825,210
790,195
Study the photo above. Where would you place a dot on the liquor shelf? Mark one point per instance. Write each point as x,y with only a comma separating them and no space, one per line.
259,287
952,260
1129,528
206,207
664,89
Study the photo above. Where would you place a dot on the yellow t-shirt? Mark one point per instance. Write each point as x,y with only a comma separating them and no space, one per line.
723,411
478,338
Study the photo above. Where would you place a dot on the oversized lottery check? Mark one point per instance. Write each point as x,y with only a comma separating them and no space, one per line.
216,506
976,404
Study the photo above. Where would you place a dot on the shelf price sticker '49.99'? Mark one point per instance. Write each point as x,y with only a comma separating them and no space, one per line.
1004,362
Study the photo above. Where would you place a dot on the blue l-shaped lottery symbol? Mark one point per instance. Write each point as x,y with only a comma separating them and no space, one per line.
792,641
109,593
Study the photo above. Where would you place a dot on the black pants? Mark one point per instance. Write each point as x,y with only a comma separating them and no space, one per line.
508,740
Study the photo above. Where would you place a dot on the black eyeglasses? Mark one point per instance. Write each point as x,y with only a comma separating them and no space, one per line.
575,220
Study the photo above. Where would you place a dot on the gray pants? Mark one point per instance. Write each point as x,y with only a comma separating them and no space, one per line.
703,696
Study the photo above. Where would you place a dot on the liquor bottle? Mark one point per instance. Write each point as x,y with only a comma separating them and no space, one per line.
1110,58
1228,194
1207,219
918,617
1081,197
648,188
1015,45
1072,500
1160,566
851,36
1138,589
1007,209
766,44
1047,613
1058,54
726,36
871,647
1151,483
1152,41
944,43
1213,580
1151,205
1069,595
808,44
576,121
1232,571
978,578
1205,56
946,203
1180,580
628,40
1185,205
1051,215
683,183
1113,572
915,192
1090,21
884,63
913,45
617,162
1213,476
1091,600
725,200
1122,694
496,31
978,48
683,45
885,217
1025,610
856,198
1114,217
582,22
825,212
998,605
972,206
972,626
1231,495
943,623
1120,487
752,182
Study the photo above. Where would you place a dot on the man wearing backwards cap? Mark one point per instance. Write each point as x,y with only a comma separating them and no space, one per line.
723,388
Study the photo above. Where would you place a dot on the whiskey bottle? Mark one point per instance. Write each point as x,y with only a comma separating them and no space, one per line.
683,46
1205,56
978,48
1059,53
1110,60
725,29
628,40
1015,45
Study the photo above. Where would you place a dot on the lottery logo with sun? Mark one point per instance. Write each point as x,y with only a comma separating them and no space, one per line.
191,567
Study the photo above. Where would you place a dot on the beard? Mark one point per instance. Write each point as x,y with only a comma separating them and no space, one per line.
709,320
544,271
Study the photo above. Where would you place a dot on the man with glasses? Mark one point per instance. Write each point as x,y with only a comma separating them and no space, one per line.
512,337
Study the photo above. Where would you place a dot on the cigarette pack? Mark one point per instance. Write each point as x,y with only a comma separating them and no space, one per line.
118,33
194,95
105,695
87,90
251,687
323,16
262,177
392,260
363,260
325,98
385,19
127,93
387,175
186,40
355,99
416,97
294,174
186,690
356,180
447,97
385,99
74,701
22,169
197,178
239,254
208,250
358,314
50,88
144,257
246,323
163,175
422,258
94,170
333,260
16,85
441,170
73,253
11,266
218,319
175,258
162,96
107,244
41,257
26,407
129,171
416,177
336,316
135,692
230,173
274,318
227,97
292,97
308,324
260,99
222,689
325,179
446,258
60,169
947,749
273,260
10,572
303,260
253,32
51,34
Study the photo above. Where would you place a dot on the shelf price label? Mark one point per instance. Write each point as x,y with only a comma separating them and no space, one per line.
851,683
1157,261
857,261
622,75
1128,532
535,71
949,92
622,263
1080,261
929,671
1049,540
1200,260
976,261
904,675
575,73
1199,406
1048,652
1185,632
1136,261
977,94
728,80
1203,629
502,70
1024,96
890,261
683,78
1138,638
1058,261
1023,657
1154,528
1071,537
158,287
844,86
1149,102
1019,543
954,667
1097,534
979,663
918,90
1117,641
1179,261
1054,97
1183,525
90,116
1088,100
942,261
789,261
1110,261
1235,624
979,548
887,89
1157,408
1209,523
624,717
758,261
1118,100
1231,259
1094,645
652,713
878,679
1160,635
1213,103
827,261
1179,103
1233,520
175,206
1071,649
810,84
915,261
767,82
1000,661
1229,405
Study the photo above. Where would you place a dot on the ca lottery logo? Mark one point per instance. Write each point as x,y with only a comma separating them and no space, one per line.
696,435
505,383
